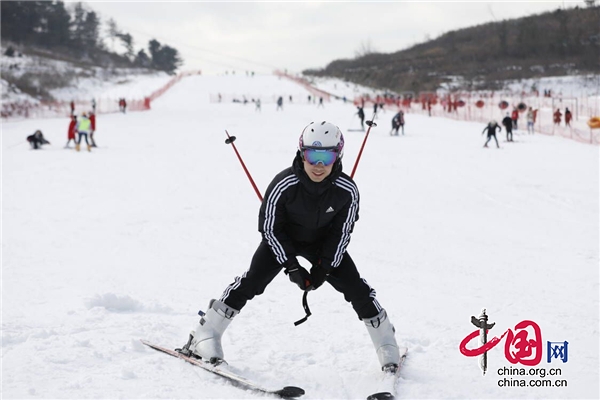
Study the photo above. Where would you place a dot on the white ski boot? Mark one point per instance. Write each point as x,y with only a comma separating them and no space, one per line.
205,341
382,332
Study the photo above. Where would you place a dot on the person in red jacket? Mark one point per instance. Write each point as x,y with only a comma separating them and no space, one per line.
72,130
515,118
557,116
568,117
93,125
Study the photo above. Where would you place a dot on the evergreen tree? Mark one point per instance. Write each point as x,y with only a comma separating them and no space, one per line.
142,59
77,27
57,25
164,58
91,29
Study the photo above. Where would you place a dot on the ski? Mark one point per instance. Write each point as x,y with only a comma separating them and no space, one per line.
390,380
236,380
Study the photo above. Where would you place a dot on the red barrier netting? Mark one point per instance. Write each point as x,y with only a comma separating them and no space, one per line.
486,106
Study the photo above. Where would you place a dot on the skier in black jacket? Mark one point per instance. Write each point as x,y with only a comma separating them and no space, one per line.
361,116
508,125
309,210
491,132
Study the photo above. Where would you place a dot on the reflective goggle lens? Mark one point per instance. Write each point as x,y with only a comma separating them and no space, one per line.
315,156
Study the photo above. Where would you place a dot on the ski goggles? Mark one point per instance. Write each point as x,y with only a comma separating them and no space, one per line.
319,156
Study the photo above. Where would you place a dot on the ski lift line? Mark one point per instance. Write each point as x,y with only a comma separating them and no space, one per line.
154,36
203,49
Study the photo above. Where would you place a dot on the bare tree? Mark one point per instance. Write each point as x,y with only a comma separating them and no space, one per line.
365,48
590,3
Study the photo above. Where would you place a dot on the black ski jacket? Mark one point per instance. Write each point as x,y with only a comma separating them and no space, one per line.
298,215
507,122
491,129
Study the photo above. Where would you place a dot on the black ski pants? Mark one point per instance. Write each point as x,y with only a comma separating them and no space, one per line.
490,138
263,269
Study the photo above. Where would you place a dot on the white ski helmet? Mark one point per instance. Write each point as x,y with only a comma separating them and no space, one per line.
322,135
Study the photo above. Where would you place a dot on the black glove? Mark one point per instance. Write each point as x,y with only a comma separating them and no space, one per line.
297,273
318,274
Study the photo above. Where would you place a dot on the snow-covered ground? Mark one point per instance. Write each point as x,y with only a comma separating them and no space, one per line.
80,83
102,249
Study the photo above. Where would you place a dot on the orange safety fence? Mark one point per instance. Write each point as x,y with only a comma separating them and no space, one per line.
43,109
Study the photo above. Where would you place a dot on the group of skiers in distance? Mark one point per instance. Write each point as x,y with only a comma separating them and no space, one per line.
397,119
510,122
82,126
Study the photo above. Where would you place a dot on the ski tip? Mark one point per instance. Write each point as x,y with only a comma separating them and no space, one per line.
290,391
381,396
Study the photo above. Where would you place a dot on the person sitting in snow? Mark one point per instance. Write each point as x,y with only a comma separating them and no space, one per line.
309,210
37,140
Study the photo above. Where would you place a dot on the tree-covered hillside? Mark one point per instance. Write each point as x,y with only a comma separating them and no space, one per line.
562,42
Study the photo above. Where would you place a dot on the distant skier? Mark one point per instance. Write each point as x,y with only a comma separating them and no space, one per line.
491,132
257,104
557,117
568,117
84,126
279,104
530,120
361,116
515,118
122,105
72,130
93,128
37,140
292,226
321,103
508,124
397,123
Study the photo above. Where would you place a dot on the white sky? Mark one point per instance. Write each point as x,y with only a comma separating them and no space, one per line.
261,36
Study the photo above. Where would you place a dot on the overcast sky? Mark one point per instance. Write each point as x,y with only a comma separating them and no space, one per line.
262,36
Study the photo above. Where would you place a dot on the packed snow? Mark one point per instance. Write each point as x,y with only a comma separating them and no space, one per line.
101,249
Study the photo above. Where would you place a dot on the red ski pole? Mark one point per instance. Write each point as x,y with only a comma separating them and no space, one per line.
371,124
230,140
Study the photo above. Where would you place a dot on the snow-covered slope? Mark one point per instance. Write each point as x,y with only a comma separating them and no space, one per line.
101,249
